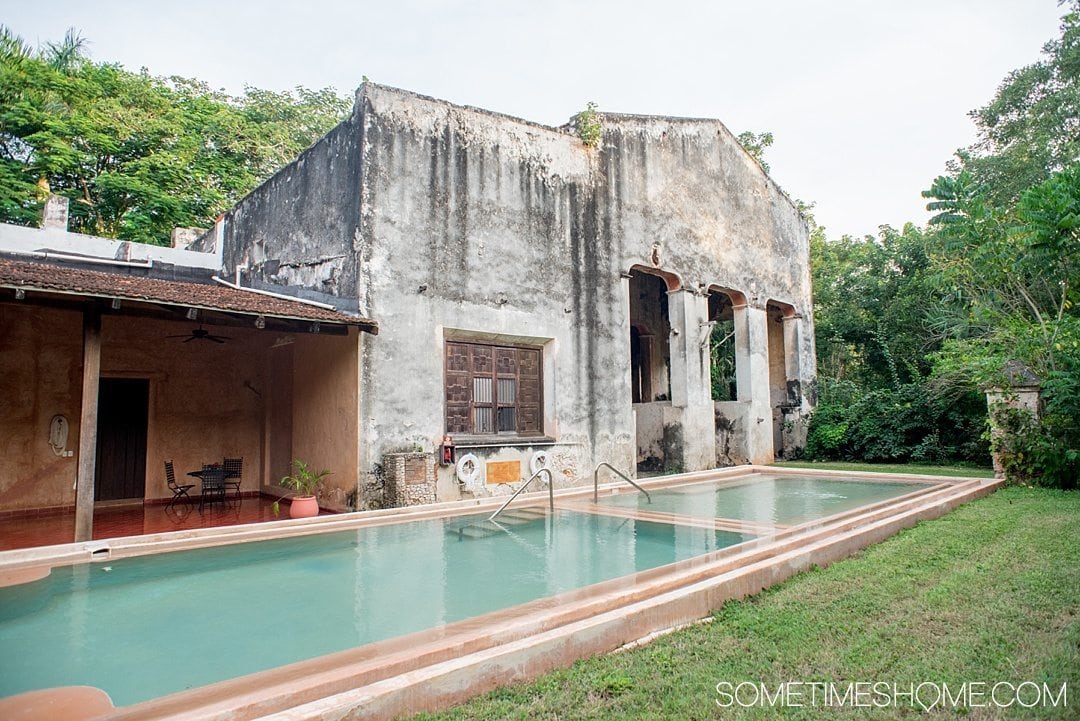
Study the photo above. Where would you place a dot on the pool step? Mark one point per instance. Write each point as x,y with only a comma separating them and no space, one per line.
506,520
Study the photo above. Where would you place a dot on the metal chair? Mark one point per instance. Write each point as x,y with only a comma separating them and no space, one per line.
179,490
213,485
234,469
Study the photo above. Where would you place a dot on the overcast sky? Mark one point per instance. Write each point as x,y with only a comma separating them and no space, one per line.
867,99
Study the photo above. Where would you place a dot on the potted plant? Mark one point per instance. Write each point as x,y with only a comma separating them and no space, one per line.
305,482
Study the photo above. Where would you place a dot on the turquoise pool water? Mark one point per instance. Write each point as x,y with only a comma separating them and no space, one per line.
766,499
145,627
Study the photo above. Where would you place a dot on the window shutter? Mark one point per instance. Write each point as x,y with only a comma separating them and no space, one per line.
457,388
529,392
493,389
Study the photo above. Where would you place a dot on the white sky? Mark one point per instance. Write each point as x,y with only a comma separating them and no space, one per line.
867,98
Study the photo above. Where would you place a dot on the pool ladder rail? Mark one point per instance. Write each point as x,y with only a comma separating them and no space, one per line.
551,487
533,477
616,471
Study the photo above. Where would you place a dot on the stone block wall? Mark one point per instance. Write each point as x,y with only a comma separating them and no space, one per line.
410,478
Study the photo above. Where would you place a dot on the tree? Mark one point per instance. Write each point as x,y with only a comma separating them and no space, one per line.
756,144
877,400
136,154
1031,127
1008,277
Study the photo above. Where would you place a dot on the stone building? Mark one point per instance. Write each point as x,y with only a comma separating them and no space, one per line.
536,300
540,299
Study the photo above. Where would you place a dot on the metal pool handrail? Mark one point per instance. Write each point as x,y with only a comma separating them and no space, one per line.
616,471
551,493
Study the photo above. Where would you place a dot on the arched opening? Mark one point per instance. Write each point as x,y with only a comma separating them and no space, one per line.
783,386
650,361
650,331
723,358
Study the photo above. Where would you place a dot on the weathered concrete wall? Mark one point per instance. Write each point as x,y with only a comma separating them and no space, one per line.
299,228
476,226
449,222
731,422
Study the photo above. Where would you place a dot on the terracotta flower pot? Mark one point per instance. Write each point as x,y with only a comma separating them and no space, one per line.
303,507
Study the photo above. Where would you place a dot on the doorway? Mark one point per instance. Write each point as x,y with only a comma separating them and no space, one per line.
123,409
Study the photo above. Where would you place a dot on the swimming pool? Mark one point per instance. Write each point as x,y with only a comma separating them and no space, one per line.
315,595
766,499
380,574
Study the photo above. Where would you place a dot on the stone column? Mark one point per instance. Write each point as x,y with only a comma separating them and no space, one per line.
1025,397
88,422
688,313
759,430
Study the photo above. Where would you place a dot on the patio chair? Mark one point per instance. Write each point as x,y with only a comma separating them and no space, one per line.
179,490
213,485
234,469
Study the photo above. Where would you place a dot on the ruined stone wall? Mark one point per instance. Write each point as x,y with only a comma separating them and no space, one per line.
682,196
447,222
299,228
477,227
685,193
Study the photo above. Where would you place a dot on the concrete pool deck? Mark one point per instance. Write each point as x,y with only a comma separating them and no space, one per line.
442,666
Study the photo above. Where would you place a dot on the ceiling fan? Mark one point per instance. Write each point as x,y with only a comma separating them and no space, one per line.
200,333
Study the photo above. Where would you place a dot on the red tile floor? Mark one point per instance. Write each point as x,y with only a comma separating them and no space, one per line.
134,520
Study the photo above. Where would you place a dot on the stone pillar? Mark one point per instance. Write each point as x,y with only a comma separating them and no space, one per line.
1025,397
688,313
55,214
796,408
740,318
759,429
1022,392
410,478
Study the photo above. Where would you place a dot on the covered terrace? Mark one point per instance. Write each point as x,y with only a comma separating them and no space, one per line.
108,369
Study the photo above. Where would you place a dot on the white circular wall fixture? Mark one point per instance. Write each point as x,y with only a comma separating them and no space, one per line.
540,459
468,470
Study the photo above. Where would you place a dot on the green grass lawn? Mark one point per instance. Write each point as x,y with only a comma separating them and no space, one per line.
962,471
988,593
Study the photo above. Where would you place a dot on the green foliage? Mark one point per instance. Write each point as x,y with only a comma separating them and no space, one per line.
722,360
870,306
755,144
906,423
303,479
1007,281
589,127
912,326
1031,127
138,155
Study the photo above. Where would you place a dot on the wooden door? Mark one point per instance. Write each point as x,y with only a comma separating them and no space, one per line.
123,408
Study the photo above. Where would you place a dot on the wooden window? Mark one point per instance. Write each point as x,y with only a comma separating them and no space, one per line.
493,390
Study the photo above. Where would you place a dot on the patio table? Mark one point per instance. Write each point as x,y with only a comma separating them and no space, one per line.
213,484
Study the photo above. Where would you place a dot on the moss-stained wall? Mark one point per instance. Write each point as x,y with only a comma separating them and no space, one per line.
460,223
299,227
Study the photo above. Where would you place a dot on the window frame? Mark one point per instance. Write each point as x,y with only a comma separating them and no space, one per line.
495,375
